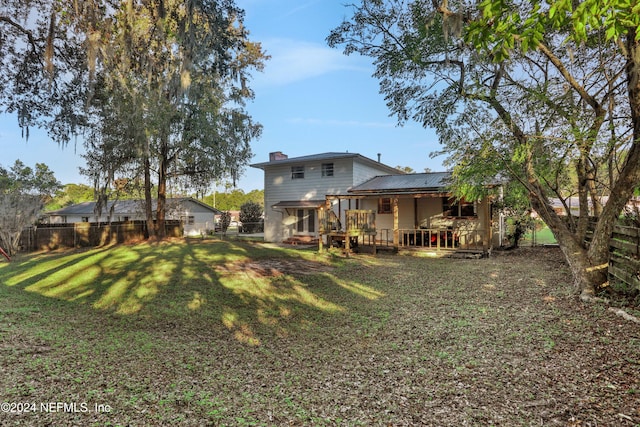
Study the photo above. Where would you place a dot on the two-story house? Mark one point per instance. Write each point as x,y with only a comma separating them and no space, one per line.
294,189
409,210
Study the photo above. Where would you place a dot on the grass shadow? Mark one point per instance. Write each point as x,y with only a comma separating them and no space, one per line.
247,288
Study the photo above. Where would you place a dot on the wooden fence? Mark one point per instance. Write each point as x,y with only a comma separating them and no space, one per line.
624,258
85,234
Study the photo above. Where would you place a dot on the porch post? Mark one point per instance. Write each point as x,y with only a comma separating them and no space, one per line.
396,224
486,238
321,222
375,232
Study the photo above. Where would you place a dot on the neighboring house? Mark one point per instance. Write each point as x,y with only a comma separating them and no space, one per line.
410,209
295,188
573,203
197,217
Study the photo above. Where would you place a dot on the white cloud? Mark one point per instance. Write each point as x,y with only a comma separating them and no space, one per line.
293,61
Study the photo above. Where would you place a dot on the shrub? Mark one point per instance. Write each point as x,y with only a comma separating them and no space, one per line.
225,220
251,217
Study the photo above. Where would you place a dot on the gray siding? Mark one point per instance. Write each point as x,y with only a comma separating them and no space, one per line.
279,186
363,172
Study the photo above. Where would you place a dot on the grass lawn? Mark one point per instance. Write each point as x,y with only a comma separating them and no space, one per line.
543,236
238,333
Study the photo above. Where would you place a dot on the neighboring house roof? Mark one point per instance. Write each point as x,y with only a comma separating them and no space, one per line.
123,207
325,157
435,182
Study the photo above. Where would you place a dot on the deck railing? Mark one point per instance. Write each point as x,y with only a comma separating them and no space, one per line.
434,238
357,222
442,238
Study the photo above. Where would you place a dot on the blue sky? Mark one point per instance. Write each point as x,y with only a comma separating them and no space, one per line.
310,99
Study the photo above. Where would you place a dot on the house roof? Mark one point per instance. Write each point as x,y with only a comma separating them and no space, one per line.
122,207
431,182
323,157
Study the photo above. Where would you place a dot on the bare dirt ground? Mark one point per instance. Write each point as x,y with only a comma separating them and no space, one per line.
372,341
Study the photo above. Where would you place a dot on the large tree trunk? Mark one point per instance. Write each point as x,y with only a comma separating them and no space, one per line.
586,268
162,191
627,180
148,199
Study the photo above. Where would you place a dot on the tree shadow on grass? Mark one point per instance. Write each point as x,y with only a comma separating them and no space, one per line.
207,285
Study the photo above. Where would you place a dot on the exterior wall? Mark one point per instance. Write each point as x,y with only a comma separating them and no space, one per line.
203,218
365,171
71,219
279,185
281,224
429,208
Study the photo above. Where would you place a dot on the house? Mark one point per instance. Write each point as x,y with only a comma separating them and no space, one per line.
573,205
197,217
295,188
316,195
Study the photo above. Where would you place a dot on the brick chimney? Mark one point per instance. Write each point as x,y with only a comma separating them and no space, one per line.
277,155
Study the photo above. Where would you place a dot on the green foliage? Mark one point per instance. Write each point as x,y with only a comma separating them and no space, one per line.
535,93
405,169
23,192
492,116
44,78
71,194
21,179
233,200
225,220
251,217
501,24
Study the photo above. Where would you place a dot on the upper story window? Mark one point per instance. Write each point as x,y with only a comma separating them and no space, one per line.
327,169
297,172
457,208
384,205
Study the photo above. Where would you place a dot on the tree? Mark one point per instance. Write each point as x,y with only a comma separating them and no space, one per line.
70,194
251,217
44,69
523,91
157,88
405,169
613,28
172,87
225,220
23,193
180,69
234,199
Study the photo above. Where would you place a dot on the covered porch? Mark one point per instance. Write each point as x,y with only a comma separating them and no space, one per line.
415,212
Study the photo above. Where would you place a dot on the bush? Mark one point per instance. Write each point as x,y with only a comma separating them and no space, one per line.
225,220
251,217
